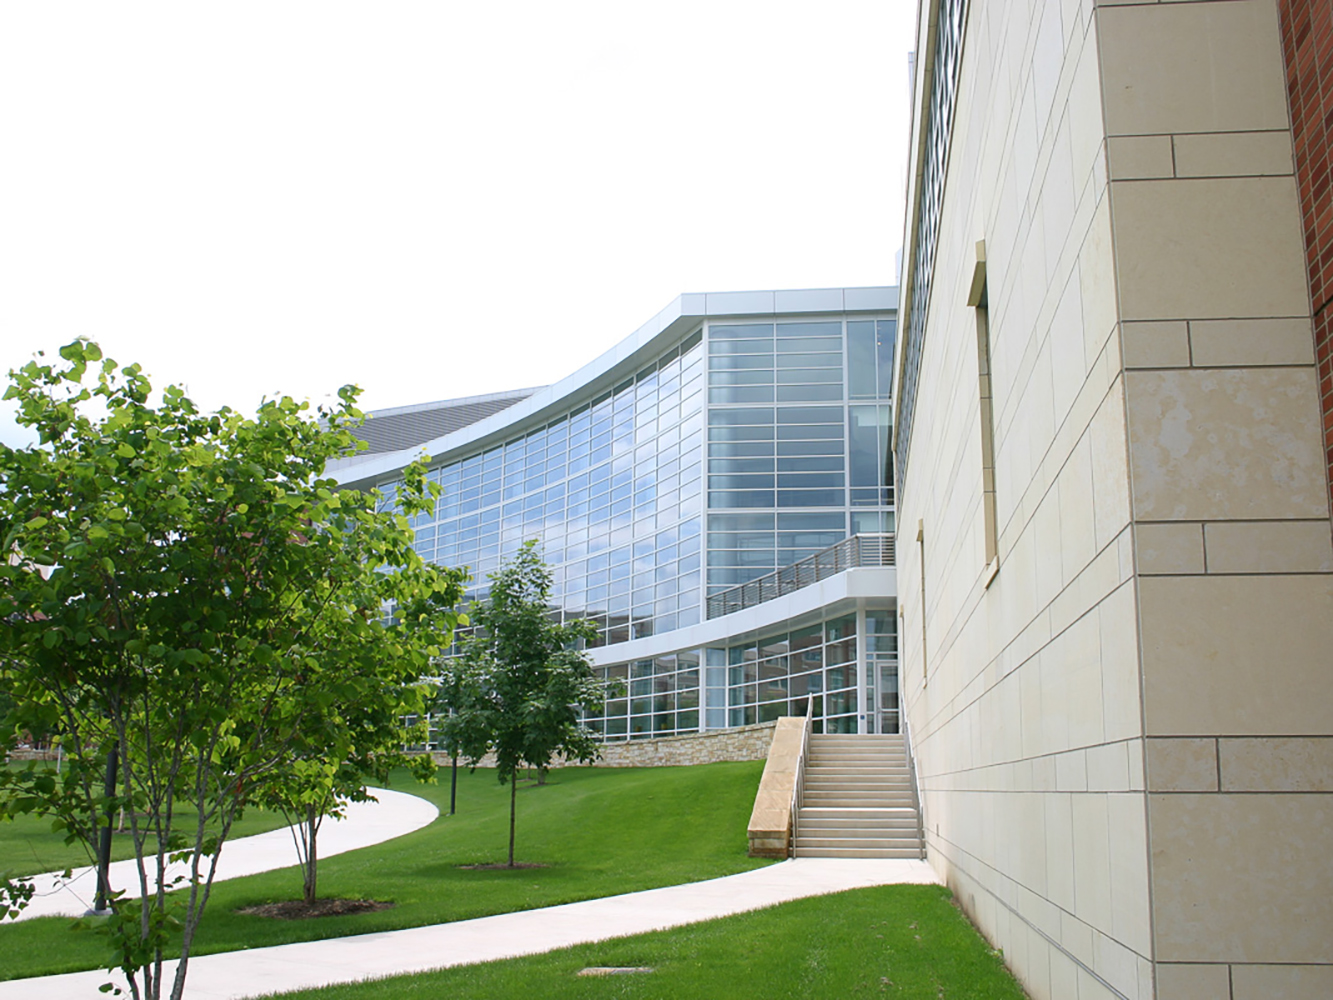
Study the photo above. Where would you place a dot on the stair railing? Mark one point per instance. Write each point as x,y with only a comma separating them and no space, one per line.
916,790
798,786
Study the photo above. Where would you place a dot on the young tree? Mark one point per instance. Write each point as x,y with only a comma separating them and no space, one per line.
531,678
210,606
358,744
456,695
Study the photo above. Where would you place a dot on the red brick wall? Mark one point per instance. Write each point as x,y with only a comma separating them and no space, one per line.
1307,40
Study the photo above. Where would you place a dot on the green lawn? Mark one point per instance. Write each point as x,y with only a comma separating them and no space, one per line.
28,846
599,831
904,941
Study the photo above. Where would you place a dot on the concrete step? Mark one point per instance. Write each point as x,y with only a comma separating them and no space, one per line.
857,852
867,813
857,778
879,843
847,760
874,766
857,800
812,826
872,794
851,802
874,791
849,739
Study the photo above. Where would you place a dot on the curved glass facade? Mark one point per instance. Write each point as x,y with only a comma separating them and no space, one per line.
737,446
612,489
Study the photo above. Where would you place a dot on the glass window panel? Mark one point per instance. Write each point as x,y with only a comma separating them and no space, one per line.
739,362
812,431
809,480
824,329
823,463
741,482
762,433
867,437
747,377
861,359
887,330
740,449
737,498
810,360
735,331
808,539
796,376
810,498
827,447
811,393
839,677
722,465
871,522
741,522
810,415
741,394
728,558
748,415
841,628
811,345
741,540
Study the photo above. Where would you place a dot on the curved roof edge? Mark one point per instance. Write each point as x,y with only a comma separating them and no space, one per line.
684,312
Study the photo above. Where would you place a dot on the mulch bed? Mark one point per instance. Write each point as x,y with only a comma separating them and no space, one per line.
299,909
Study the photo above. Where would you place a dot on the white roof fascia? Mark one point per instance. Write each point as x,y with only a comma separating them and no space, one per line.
606,371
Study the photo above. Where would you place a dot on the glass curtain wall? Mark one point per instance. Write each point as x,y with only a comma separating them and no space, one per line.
613,492
759,681
798,435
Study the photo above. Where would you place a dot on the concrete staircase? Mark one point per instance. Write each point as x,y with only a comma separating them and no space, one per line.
856,800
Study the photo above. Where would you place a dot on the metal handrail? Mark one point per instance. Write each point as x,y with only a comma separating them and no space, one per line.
850,553
799,786
905,728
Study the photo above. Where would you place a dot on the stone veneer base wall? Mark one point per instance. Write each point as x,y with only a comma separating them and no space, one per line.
741,743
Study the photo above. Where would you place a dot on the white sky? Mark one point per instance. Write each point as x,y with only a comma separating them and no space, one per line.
430,199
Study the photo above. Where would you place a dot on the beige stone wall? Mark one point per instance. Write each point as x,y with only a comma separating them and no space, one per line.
770,826
1122,734
741,743
1229,499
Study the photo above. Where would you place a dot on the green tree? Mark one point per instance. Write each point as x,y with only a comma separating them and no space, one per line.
209,604
457,693
357,744
530,676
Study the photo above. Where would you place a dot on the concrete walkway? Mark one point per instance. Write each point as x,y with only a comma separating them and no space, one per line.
372,956
366,823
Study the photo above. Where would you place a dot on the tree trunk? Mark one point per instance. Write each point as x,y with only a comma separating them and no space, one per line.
102,899
311,818
513,795
453,786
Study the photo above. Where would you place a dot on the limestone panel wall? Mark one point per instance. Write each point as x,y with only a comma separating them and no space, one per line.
1229,493
1123,725
1023,692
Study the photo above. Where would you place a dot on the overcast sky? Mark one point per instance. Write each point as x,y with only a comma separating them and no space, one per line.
429,199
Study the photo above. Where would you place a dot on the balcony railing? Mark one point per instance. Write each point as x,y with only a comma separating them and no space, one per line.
850,553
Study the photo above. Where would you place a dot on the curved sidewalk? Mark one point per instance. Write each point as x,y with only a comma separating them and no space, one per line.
310,964
366,823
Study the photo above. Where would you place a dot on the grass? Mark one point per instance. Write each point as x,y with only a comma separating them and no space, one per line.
599,831
903,941
28,846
